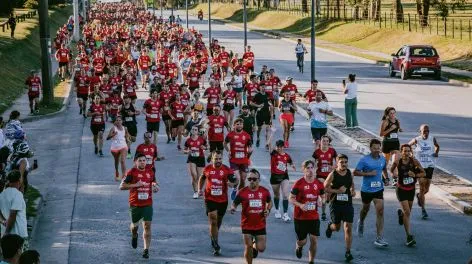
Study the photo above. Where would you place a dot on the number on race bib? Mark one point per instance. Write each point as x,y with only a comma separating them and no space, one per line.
180,115
425,158
325,168
375,184
34,89
229,101
216,191
408,180
255,203
342,197
212,101
239,155
129,90
98,119
218,130
311,206
128,119
143,196
394,135
148,159
281,166
153,115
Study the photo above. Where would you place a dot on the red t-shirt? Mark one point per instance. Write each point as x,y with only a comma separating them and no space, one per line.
153,108
216,124
195,146
253,204
172,69
268,87
82,86
98,64
144,62
213,94
115,103
249,59
251,90
129,87
34,84
230,96
150,151
291,89
224,59
142,196
279,162
98,110
310,95
324,161
239,144
185,98
62,55
193,79
216,187
177,110
307,193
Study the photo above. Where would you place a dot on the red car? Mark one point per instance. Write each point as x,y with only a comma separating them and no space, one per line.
416,60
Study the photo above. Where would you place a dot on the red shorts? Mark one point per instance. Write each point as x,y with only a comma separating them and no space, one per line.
288,117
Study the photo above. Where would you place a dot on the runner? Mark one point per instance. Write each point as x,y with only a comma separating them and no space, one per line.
144,63
119,147
97,124
128,113
141,183
238,83
292,90
249,122
279,161
228,97
216,177
166,96
239,146
287,108
305,196
263,107
195,145
62,56
389,129
216,136
82,90
150,151
300,52
325,159
213,96
373,169
176,112
318,111
114,104
250,90
224,61
256,203
426,150
341,189
33,83
248,59
152,109
408,170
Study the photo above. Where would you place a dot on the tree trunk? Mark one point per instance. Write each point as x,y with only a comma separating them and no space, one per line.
327,9
338,9
365,9
398,10
356,12
305,6
318,6
375,9
422,8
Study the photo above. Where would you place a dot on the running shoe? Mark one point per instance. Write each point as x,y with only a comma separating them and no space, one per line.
299,252
424,214
96,150
80,111
146,253
278,215
360,228
254,248
292,128
233,193
286,218
258,143
134,241
195,195
173,138
179,148
329,232
216,247
323,217
101,153
410,241
348,256
380,242
168,140
400,216
37,111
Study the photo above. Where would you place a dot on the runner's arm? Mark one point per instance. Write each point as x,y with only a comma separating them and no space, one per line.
436,147
10,221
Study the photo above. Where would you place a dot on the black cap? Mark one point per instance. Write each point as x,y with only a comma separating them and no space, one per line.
14,176
279,143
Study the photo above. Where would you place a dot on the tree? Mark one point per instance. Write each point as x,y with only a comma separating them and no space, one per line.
305,6
375,6
422,8
398,10
443,6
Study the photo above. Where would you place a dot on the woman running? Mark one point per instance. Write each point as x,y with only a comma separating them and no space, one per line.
228,98
287,108
389,129
195,145
119,147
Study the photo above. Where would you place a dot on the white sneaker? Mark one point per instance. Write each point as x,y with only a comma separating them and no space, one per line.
277,214
195,195
286,218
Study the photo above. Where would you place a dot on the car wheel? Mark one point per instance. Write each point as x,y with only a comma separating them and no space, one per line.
404,73
391,71
437,75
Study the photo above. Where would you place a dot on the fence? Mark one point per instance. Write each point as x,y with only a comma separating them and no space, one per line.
18,18
455,27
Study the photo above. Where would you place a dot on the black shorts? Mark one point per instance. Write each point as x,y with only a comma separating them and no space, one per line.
192,88
133,97
239,167
404,195
341,212
166,117
63,64
198,161
429,172
278,178
390,145
214,206
263,118
260,232
250,68
216,145
224,69
317,133
84,97
152,126
367,197
95,128
132,129
228,107
31,97
177,123
305,227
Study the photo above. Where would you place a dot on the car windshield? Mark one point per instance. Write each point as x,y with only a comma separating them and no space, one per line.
423,52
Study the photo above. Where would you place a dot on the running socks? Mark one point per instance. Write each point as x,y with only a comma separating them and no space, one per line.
285,205
276,203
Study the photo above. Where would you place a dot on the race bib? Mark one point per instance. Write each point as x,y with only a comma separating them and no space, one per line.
342,197
408,180
216,191
145,65
425,158
213,101
195,153
97,119
148,160
239,155
129,90
229,101
281,166
180,115
34,89
255,203
394,135
311,206
268,88
325,168
143,196
292,92
376,184
194,79
153,115
128,119
218,130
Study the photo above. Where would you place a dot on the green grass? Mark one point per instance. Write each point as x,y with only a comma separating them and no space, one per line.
19,56
30,197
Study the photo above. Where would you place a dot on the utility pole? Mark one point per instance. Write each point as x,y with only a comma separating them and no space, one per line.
76,20
209,22
186,10
45,42
312,40
161,10
245,23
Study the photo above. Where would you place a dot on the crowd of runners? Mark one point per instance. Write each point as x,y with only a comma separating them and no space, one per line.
212,104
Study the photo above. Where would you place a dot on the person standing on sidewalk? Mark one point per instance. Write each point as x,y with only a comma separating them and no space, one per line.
426,150
350,101
12,23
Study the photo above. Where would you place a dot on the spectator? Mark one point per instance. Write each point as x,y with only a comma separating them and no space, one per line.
11,248
2,137
13,208
12,24
29,257
350,101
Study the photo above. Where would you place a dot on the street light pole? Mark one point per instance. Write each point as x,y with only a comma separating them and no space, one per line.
76,20
209,22
312,40
245,23
45,42
161,10
186,10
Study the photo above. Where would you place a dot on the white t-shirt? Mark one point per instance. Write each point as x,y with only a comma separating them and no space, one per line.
299,48
318,120
2,138
12,199
238,81
351,90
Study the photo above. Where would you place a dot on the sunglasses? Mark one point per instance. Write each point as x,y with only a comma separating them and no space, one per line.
252,179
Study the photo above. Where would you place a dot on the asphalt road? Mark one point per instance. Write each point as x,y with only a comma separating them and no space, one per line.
85,217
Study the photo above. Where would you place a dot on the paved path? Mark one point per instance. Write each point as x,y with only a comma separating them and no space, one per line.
85,219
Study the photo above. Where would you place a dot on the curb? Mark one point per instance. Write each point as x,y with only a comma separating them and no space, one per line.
33,221
277,36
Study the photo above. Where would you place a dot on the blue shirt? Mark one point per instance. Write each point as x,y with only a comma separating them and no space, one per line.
367,163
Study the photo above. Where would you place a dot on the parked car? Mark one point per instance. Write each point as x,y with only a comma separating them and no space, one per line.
416,60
